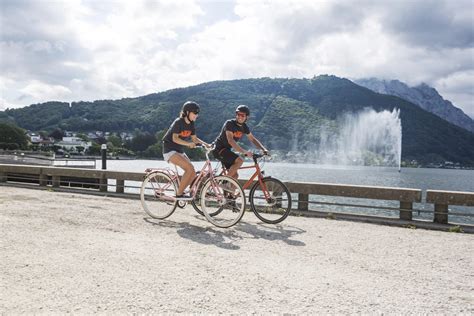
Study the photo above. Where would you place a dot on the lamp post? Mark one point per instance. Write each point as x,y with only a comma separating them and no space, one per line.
103,150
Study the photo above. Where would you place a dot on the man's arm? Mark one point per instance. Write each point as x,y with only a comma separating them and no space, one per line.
233,143
256,142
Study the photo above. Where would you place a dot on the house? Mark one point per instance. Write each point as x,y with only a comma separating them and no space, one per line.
71,143
34,138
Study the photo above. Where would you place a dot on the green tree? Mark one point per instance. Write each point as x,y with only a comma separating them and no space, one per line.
57,134
94,149
141,141
10,135
154,151
115,140
82,136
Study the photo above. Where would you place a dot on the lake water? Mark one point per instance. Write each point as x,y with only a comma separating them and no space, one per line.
417,178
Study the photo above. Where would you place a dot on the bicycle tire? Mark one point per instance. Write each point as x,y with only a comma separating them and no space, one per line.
223,201
196,202
156,195
270,211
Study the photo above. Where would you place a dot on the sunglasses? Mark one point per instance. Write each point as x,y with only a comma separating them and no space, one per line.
195,112
241,114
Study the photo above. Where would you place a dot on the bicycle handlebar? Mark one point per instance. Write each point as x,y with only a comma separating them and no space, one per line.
254,156
258,156
208,149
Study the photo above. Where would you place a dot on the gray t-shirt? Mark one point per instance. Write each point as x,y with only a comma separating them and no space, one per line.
237,132
184,131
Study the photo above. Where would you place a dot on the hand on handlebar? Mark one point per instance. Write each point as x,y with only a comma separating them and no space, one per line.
248,154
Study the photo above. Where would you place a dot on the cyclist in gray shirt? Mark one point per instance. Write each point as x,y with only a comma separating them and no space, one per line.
182,134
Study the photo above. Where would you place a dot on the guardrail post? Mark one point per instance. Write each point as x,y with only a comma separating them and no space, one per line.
3,177
43,180
303,200
56,181
441,213
103,183
119,186
406,215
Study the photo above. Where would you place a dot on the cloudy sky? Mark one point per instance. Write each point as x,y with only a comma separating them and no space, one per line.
102,49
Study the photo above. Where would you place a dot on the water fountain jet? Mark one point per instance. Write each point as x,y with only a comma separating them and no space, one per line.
364,138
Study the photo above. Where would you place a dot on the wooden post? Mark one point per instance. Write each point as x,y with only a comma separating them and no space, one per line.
406,215
43,180
56,181
119,186
441,213
303,201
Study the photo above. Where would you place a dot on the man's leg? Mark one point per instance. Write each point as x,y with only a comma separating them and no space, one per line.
233,170
189,172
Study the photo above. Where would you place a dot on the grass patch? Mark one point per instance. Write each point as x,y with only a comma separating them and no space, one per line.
456,229
330,216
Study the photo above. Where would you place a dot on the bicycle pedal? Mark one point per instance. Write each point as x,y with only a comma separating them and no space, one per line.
233,206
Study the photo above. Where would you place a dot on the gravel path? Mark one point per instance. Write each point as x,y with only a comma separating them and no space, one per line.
63,252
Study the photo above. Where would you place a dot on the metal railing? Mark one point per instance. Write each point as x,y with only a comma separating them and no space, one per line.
43,160
115,181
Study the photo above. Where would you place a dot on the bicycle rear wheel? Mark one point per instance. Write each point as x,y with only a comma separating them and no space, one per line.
196,203
223,201
274,206
157,195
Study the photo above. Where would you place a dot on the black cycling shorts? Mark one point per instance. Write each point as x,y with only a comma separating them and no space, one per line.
226,156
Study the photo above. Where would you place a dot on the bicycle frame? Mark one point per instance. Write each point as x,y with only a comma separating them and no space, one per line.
206,170
258,173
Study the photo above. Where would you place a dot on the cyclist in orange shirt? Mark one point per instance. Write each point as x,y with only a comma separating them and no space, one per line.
231,132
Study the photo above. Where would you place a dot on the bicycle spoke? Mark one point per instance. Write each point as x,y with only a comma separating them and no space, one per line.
223,201
270,201
157,195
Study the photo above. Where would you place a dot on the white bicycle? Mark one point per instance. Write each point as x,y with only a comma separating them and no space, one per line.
221,198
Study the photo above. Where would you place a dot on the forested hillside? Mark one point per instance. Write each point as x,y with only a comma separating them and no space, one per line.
281,109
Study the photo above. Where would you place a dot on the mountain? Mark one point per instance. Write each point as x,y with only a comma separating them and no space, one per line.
422,95
287,114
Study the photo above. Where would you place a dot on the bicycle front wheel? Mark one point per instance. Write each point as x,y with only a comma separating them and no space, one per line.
222,201
196,203
271,202
157,195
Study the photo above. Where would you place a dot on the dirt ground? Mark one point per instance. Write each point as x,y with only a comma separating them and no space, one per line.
64,252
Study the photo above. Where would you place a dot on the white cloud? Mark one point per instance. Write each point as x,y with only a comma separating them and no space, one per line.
45,92
114,49
458,88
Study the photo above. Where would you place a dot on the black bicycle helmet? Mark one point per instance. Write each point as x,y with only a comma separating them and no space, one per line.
190,106
243,108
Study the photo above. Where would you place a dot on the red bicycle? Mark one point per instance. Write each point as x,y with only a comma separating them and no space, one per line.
269,198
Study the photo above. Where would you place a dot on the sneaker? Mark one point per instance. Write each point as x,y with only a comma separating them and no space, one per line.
233,206
183,197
